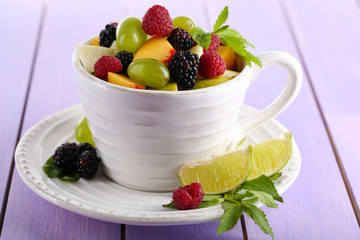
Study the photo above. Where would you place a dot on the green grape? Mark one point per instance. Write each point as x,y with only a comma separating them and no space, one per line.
130,35
184,23
149,72
82,132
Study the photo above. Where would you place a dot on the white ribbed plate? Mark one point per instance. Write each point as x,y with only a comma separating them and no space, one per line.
103,199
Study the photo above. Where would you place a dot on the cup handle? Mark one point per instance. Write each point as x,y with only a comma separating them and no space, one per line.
287,95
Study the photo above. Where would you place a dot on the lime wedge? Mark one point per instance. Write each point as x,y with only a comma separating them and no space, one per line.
219,174
271,156
82,132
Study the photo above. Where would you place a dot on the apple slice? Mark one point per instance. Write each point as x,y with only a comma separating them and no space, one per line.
121,80
197,50
229,74
209,82
90,54
115,47
170,86
157,48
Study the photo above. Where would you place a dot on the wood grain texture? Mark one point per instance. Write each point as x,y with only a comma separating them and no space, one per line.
317,205
53,88
330,48
16,55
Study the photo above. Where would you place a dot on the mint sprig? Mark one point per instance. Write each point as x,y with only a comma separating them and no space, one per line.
243,200
228,37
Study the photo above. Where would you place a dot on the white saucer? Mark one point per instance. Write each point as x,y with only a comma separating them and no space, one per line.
103,199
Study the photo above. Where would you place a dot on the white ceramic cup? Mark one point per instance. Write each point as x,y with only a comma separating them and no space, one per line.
143,136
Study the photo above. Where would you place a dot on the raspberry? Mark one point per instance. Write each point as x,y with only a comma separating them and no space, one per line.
87,164
85,146
66,155
188,197
180,39
107,35
157,21
125,58
214,45
211,65
107,64
183,68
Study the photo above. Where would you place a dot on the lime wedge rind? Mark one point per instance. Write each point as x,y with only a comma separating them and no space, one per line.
269,150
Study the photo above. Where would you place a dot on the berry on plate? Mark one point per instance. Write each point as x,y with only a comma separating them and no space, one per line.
87,164
65,155
188,197
211,65
107,64
157,21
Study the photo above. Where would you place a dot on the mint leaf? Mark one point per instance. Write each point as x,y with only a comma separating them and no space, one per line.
210,203
265,198
208,197
259,217
239,197
222,29
226,204
69,177
221,18
50,169
169,205
202,38
233,39
263,184
230,218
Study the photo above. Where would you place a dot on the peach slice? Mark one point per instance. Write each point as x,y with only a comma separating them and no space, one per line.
229,56
157,48
121,80
95,41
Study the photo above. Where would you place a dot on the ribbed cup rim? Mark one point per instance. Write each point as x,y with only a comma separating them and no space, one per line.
105,84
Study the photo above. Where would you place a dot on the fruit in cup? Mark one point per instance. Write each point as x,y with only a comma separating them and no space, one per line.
90,54
229,56
184,23
130,35
149,72
124,81
133,36
157,48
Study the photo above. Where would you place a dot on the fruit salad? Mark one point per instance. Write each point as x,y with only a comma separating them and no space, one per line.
162,53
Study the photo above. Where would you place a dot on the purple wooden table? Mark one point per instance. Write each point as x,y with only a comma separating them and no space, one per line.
37,41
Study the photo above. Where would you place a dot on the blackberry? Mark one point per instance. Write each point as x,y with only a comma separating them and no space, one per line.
66,155
107,35
87,164
183,68
85,146
125,58
180,39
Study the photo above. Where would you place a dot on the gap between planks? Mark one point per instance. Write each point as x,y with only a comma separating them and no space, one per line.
34,59
318,105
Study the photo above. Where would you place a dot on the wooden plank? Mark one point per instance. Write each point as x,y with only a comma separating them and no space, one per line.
317,205
329,43
198,231
53,88
18,42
